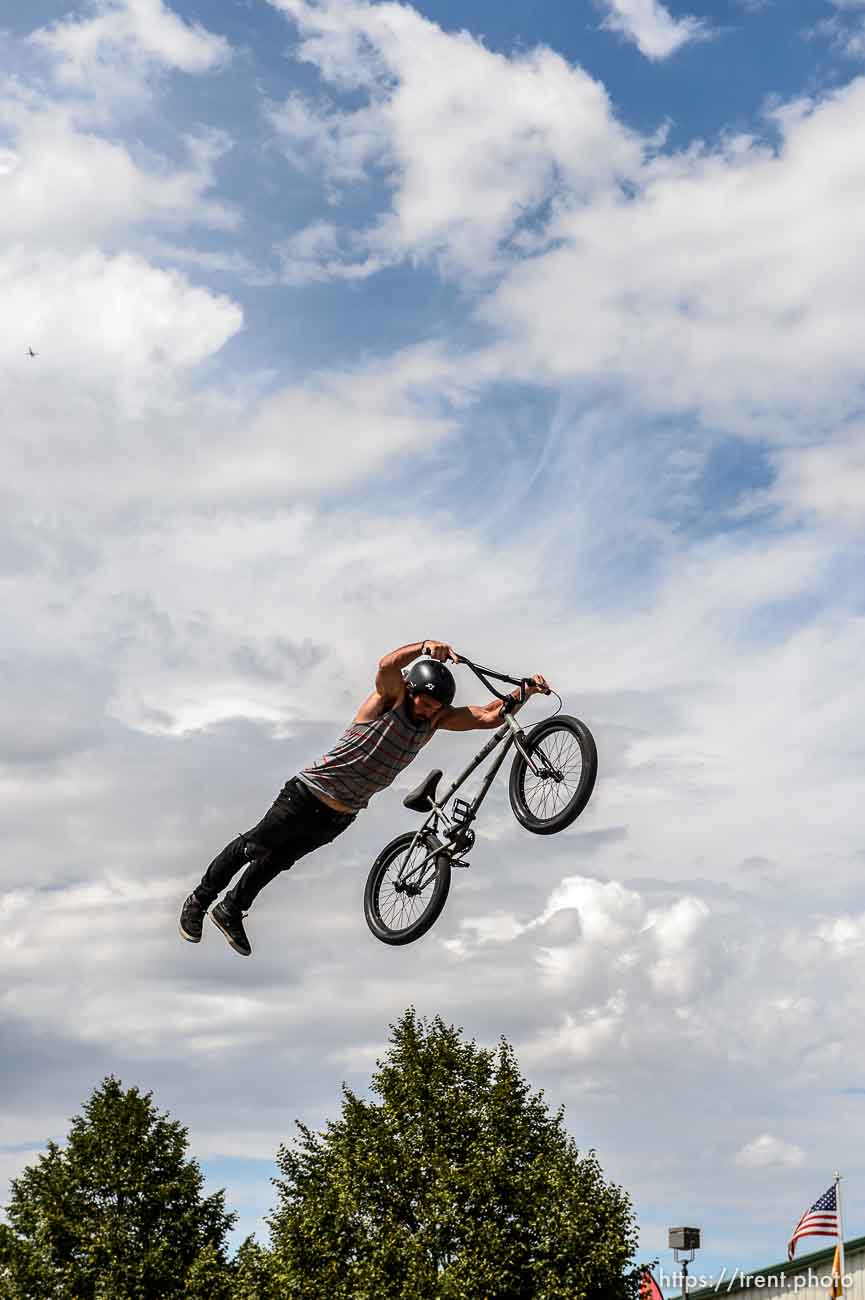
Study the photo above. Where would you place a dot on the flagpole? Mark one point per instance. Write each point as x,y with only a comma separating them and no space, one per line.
840,1225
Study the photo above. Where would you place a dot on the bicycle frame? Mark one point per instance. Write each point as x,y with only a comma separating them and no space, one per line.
511,734
438,812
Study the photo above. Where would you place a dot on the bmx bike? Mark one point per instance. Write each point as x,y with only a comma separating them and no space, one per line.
552,777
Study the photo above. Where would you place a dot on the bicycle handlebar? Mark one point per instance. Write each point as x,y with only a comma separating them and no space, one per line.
481,672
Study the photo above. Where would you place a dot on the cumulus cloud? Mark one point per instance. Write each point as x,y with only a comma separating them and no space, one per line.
474,144
651,26
712,283
768,1152
70,186
663,951
102,324
697,280
727,285
611,994
112,52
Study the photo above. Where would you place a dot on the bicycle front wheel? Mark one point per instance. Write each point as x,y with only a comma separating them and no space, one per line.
403,898
565,759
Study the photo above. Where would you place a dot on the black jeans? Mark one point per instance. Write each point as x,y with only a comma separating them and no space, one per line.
295,824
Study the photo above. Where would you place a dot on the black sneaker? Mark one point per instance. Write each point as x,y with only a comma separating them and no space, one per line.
191,919
231,925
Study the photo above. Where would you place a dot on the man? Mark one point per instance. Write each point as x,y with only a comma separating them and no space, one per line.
412,699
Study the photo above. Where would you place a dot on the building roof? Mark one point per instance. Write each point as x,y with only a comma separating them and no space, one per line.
812,1261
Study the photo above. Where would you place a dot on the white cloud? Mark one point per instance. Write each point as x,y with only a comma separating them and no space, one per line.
606,911
344,144
107,325
73,188
717,281
768,1152
115,335
113,52
322,252
651,26
120,348
824,481
684,976
662,950
581,1039
728,285
474,143
845,29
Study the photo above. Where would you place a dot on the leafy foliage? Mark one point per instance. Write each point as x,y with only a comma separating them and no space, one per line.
254,1273
457,1184
118,1214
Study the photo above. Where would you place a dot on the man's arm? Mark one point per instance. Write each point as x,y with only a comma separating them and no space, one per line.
388,679
482,717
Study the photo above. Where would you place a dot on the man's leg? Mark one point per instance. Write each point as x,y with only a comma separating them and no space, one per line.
221,871
219,874
234,857
261,841
296,824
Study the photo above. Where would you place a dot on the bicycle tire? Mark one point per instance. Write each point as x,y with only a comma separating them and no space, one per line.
372,904
540,736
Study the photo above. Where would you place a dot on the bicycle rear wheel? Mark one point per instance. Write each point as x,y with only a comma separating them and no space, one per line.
564,752
400,905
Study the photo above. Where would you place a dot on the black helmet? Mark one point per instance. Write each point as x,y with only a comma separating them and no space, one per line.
430,677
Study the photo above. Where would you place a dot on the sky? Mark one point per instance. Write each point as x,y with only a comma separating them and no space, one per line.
534,328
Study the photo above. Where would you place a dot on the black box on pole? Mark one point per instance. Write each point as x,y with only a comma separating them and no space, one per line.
683,1238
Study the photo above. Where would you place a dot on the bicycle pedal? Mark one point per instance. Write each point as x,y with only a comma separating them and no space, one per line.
456,863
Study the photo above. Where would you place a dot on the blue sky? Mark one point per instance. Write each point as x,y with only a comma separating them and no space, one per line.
534,327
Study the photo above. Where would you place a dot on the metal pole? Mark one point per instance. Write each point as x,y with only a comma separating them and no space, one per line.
684,1278
840,1225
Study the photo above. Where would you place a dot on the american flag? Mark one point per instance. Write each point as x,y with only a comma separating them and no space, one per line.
820,1221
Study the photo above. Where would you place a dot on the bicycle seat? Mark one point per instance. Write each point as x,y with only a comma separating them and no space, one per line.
419,799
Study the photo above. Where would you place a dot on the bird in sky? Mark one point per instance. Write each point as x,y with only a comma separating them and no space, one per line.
32,353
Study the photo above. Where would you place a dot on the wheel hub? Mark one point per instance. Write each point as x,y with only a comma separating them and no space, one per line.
552,774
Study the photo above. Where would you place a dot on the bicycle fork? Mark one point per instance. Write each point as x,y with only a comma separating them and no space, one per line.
543,773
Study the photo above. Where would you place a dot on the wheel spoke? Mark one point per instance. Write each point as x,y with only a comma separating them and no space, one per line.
545,797
399,909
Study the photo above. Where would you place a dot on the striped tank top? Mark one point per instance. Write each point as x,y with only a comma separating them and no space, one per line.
366,758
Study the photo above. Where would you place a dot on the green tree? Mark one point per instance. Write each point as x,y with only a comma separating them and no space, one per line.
254,1274
209,1277
118,1214
456,1184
